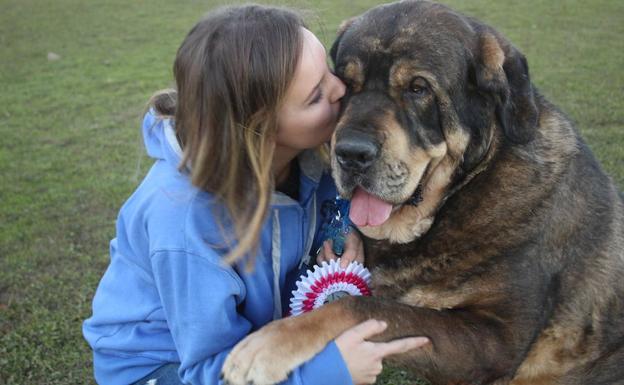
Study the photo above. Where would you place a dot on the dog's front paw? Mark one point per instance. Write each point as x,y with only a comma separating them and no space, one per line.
252,362
265,357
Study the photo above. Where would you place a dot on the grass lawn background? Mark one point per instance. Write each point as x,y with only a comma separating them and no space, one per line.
70,149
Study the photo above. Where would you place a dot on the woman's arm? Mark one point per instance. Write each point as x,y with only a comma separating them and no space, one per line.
200,299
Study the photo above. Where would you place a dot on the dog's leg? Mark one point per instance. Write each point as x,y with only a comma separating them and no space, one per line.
271,353
465,345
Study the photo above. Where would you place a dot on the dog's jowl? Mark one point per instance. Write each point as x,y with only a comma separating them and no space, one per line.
511,260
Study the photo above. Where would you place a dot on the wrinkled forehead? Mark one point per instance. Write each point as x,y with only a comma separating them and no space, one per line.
422,36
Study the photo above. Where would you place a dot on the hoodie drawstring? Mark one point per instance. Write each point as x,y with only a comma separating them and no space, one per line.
276,255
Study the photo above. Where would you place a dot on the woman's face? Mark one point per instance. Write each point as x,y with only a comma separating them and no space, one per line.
308,116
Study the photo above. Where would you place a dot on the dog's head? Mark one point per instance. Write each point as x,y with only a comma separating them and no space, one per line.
428,91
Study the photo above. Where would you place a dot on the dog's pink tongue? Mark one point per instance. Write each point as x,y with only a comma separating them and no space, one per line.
367,209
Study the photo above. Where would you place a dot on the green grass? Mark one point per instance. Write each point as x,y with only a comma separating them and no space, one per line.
71,152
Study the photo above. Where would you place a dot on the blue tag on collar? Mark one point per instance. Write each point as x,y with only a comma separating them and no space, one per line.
336,223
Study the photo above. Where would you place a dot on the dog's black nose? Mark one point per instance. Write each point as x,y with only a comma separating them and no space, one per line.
356,153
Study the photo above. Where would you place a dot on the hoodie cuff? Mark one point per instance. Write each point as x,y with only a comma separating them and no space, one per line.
326,368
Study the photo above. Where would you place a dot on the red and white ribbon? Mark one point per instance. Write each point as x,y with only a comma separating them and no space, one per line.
327,283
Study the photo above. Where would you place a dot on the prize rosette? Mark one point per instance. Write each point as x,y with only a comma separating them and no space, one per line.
329,282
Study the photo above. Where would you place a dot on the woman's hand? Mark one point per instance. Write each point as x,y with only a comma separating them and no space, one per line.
364,358
353,250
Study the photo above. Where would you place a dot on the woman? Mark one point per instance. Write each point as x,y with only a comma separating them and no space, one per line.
209,245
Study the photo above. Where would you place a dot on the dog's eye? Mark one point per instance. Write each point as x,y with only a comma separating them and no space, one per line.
419,86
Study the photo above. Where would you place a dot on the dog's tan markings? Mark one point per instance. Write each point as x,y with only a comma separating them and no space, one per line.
268,355
420,218
409,222
404,38
401,73
403,225
478,291
457,141
354,74
372,44
436,183
397,148
557,350
492,57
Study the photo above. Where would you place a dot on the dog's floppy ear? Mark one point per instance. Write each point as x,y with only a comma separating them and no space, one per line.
333,51
502,70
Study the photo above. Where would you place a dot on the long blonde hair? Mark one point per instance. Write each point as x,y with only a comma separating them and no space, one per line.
232,72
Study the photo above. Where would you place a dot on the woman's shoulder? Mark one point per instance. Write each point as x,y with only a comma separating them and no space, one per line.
173,213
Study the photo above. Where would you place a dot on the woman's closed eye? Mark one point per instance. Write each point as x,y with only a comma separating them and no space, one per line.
317,97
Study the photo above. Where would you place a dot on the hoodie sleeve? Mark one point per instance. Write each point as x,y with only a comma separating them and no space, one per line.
200,299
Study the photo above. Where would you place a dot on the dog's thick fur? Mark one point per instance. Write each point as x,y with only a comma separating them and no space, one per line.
513,263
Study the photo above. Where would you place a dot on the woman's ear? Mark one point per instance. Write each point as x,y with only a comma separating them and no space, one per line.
503,71
333,51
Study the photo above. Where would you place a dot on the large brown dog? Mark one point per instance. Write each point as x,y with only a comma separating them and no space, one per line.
511,260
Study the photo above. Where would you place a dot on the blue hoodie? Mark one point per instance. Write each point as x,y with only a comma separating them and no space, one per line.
166,295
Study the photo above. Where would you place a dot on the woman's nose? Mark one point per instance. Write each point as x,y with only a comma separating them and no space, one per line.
338,88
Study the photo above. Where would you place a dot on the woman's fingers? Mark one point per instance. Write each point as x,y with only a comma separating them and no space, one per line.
320,255
347,257
353,251
328,249
368,329
364,358
372,327
325,253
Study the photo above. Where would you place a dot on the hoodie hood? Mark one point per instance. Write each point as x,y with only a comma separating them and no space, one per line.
161,143
160,139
